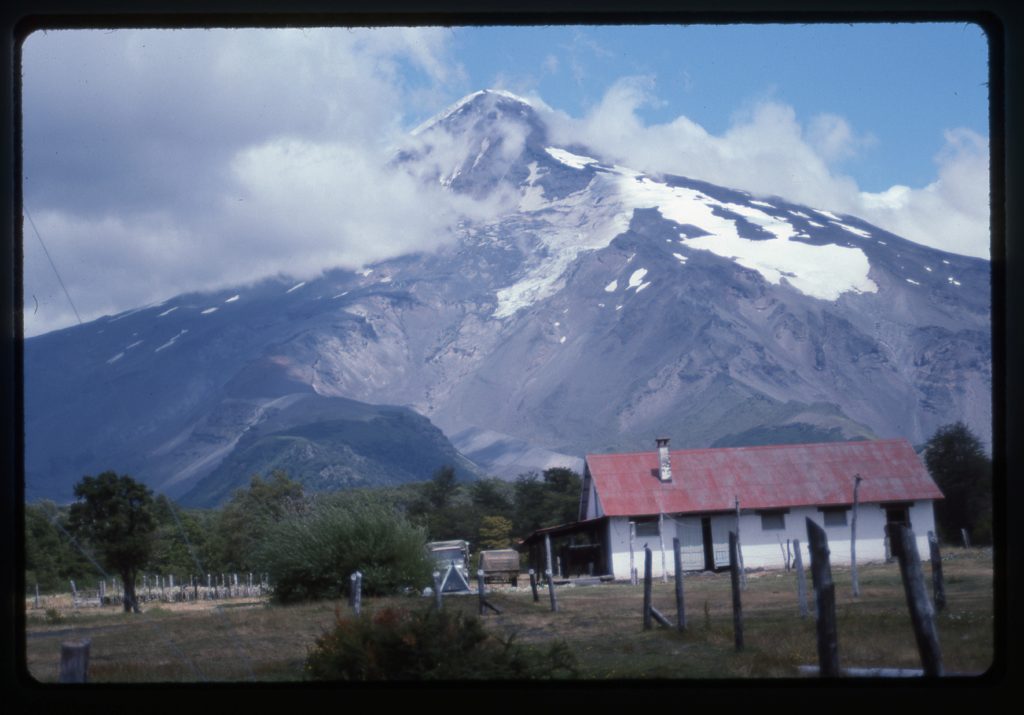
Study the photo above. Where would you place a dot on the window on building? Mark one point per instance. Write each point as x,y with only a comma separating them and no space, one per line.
773,520
835,517
647,529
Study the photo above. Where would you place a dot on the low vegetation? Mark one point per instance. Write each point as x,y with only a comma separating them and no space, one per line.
313,556
600,627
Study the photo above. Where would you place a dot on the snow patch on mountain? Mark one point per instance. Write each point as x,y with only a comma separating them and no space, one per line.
575,161
171,342
821,271
854,231
637,277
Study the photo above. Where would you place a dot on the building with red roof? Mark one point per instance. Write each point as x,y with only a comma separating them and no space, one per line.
764,493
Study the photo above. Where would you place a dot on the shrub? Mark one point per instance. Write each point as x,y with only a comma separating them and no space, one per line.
313,556
428,645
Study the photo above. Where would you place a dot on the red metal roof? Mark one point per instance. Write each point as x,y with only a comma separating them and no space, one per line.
769,477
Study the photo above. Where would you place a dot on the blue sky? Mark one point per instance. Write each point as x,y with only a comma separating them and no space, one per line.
902,84
158,162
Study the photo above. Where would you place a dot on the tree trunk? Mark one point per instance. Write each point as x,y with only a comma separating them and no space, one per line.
130,602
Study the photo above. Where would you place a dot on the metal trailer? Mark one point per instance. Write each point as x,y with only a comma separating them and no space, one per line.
500,565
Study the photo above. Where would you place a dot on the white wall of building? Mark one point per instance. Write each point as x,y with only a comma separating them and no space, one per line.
761,547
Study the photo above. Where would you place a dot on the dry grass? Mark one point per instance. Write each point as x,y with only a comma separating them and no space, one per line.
247,640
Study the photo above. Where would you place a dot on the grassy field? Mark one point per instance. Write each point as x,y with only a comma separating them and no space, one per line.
250,640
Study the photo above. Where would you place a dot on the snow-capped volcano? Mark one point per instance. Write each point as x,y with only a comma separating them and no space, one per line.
595,308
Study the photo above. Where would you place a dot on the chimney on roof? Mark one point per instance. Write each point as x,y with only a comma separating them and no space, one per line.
664,462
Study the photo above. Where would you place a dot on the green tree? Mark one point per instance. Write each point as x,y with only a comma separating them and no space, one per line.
530,510
495,532
562,498
243,522
179,543
313,556
114,514
546,500
50,557
958,464
440,508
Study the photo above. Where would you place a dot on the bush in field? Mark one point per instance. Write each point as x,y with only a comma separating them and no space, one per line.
428,645
312,556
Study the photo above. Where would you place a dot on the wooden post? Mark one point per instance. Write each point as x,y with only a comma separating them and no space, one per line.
966,539
551,590
357,600
74,662
437,590
74,595
647,588
680,606
480,590
739,548
938,586
548,561
922,616
734,575
853,536
789,557
661,540
801,578
35,603
632,564
548,573
824,591
782,548
533,585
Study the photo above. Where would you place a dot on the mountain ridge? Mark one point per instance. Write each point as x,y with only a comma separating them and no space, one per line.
600,307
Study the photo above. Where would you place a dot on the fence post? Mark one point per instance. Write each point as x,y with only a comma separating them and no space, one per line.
922,616
661,541
35,603
857,479
357,600
938,586
548,574
739,549
734,577
825,597
74,662
533,585
647,588
966,539
680,606
548,561
551,590
632,562
801,578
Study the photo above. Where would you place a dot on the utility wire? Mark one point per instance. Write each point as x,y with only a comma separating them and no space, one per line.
52,264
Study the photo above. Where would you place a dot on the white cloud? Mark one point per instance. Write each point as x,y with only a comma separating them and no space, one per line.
768,151
951,213
158,162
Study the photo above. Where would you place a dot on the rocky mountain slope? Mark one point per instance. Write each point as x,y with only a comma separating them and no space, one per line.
601,308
